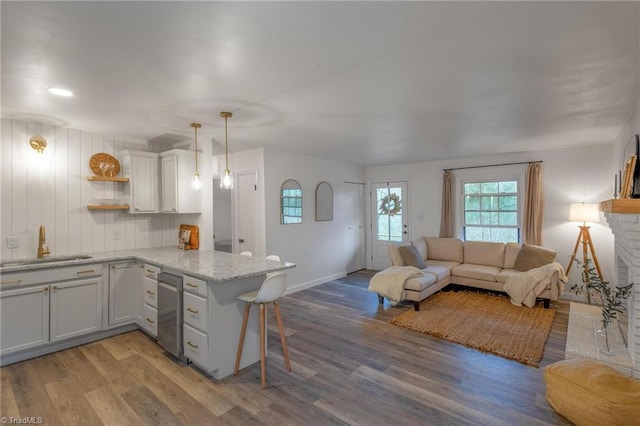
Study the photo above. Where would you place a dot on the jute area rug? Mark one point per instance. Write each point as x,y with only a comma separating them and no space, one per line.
486,322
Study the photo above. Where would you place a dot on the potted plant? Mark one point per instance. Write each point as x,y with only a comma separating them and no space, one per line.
611,299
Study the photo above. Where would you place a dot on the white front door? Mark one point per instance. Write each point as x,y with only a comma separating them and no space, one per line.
245,215
389,219
354,237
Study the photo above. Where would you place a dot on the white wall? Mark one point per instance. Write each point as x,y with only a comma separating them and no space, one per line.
318,248
570,176
52,190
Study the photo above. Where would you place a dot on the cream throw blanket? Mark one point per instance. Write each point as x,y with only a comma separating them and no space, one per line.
525,287
390,282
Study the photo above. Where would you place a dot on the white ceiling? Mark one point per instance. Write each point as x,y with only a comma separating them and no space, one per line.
363,83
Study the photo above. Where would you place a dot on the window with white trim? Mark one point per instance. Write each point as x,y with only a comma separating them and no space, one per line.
491,210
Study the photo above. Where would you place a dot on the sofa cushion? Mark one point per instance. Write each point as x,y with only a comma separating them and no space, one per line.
445,263
511,251
444,249
504,275
531,257
421,245
478,272
411,257
441,272
484,253
420,283
394,255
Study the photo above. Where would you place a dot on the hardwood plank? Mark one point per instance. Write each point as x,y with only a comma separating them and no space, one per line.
67,396
8,403
149,408
111,408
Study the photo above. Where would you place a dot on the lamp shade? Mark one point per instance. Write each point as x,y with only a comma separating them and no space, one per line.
583,212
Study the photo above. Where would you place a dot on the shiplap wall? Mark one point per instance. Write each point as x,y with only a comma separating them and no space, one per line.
52,190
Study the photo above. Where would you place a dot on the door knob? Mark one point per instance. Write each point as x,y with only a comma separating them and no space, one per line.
241,240
405,232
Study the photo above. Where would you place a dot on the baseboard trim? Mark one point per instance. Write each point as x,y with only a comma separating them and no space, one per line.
310,284
48,348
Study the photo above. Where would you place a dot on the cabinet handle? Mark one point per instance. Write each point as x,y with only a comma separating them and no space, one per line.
55,287
151,293
192,345
137,209
116,267
11,282
46,289
88,271
192,285
150,271
192,311
150,321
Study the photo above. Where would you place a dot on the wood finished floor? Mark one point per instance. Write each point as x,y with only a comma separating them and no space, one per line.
349,367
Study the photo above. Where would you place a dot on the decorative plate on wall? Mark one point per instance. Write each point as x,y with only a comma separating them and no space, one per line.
103,164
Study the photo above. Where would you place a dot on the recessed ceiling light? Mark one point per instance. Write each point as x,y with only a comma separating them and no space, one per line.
60,91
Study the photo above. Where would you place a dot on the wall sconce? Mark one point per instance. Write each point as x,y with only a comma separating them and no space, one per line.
38,143
226,182
196,183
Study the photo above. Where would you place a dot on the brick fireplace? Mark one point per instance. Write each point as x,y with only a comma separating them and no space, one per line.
625,225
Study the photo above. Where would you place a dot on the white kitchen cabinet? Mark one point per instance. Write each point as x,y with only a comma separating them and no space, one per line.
177,169
24,318
124,279
141,193
75,308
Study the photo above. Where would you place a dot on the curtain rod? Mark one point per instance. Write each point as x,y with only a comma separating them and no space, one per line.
493,165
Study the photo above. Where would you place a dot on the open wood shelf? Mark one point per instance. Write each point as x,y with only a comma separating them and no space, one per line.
626,205
114,207
108,179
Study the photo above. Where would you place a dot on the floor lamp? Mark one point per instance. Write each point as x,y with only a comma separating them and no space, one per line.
585,213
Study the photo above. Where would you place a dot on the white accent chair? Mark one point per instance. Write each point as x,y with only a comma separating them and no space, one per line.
271,289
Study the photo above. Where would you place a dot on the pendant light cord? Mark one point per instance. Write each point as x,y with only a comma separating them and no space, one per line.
226,144
196,130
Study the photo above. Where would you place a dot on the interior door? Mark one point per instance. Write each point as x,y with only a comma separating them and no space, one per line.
389,220
245,216
355,238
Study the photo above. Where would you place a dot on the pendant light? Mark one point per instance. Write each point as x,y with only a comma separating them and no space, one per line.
226,180
196,183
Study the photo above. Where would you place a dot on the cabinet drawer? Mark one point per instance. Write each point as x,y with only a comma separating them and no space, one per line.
50,275
150,320
195,285
195,311
150,292
151,271
196,346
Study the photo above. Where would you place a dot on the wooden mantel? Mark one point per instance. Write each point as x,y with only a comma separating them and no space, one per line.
627,206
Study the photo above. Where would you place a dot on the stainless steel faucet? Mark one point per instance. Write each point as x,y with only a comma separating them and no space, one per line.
42,250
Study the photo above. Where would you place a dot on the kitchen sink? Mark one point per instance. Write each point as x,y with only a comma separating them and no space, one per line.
51,259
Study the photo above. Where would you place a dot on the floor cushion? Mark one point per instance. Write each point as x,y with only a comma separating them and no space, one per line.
589,392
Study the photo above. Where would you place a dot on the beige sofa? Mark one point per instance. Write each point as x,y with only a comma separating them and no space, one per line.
477,264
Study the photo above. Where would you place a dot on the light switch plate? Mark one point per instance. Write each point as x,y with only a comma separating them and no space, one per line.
12,242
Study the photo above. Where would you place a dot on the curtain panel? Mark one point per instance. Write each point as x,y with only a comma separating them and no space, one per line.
447,218
533,204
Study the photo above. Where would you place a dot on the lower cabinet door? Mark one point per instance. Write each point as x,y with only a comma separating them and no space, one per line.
76,308
24,318
196,346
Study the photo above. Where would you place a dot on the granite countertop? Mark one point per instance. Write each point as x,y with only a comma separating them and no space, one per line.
208,265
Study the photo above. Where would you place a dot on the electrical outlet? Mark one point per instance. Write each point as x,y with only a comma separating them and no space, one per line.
116,234
12,242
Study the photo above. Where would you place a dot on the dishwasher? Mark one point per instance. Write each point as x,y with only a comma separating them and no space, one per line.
170,313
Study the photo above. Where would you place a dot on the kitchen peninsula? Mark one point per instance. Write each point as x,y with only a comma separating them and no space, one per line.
56,303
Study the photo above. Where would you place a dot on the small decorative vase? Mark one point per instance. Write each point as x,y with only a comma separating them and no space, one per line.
607,337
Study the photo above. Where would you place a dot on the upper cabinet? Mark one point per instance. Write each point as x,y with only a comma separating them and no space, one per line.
177,168
141,194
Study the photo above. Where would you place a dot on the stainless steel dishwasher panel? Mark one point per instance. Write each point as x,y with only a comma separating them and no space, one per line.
170,313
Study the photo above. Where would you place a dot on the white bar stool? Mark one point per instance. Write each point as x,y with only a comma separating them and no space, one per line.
271,289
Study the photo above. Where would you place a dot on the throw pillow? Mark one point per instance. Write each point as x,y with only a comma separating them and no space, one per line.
530,257
411,257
